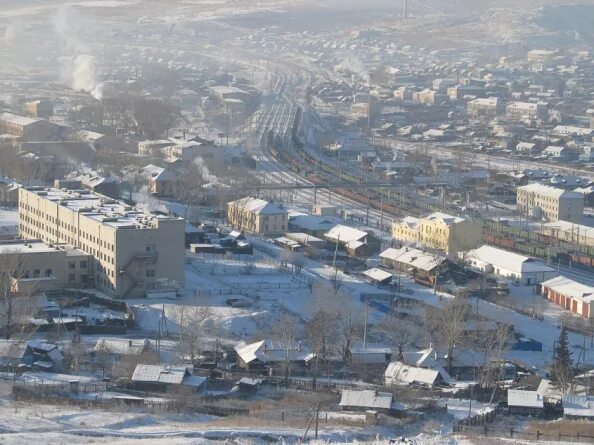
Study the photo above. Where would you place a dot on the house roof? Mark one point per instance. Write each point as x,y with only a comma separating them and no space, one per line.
504,259
10,349
17,119
553,192
266,351
444,217
413,258
160,374
366,399
570,288
311,222
345,234
400,374
258,206
525,399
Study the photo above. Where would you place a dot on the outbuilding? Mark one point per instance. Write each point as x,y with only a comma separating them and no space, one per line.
571,295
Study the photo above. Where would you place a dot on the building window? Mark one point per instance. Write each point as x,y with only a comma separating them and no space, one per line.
150,273
48,272
71,265
71,278
36,273
83,264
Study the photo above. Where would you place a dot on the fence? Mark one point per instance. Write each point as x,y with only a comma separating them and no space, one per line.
320,384
489,431
474,421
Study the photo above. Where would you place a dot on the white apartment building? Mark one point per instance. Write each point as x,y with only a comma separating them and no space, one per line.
133,252
527,110
550,203
491,106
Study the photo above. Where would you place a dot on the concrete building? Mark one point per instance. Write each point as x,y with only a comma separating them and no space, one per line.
28,128
549,203
440,231
430,97
491,260
39,108
540,57
489,107
40,267
153,149
254,215
527,110
571,295
133,252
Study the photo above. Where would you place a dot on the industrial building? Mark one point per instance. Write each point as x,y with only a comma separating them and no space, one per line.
133,252
28,128
549,203
575,297
491,260
489,107
254,215
527,110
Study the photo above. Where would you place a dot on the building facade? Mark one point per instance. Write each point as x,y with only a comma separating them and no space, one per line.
575,297
439,231
254,215
550,203
132,252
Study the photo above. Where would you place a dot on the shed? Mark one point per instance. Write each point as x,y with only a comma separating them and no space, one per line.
364,400
398,373
378,276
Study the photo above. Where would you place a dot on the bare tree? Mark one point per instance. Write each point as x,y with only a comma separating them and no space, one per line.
16,302
398,332
194,323
448,325
153,117
284,332
350,320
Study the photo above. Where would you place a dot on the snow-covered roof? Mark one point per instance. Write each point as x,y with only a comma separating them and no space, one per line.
413,258
578,230
377,274
311,222
258,206
366,399
398,373
164,374
345,234
507,260
266,351
17,119
552,192
578,406
569,288
444,217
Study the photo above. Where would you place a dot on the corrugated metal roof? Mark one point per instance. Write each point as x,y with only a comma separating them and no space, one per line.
366,399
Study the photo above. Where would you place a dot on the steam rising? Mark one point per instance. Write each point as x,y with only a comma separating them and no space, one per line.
205,172
79,69
13,32
352,64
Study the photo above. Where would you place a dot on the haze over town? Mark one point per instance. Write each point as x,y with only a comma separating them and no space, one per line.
284,221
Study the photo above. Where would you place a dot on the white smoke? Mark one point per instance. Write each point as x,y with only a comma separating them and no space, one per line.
14,32
352,64
205,172
147,203
79,68
84,76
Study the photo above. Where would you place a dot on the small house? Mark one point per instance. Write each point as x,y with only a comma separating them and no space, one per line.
365,400
163,377
526,402
578,406
401,374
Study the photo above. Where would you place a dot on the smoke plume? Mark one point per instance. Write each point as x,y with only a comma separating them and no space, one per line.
79,68
352,64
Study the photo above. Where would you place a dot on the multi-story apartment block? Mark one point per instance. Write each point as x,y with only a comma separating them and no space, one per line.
255,215
527,110
550,203
132,252
28,128
439,231
489,107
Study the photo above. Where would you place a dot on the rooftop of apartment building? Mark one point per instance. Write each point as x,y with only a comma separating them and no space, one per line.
546,190
108,211
24,246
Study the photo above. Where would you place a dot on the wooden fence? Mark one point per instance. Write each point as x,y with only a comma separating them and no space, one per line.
486,430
